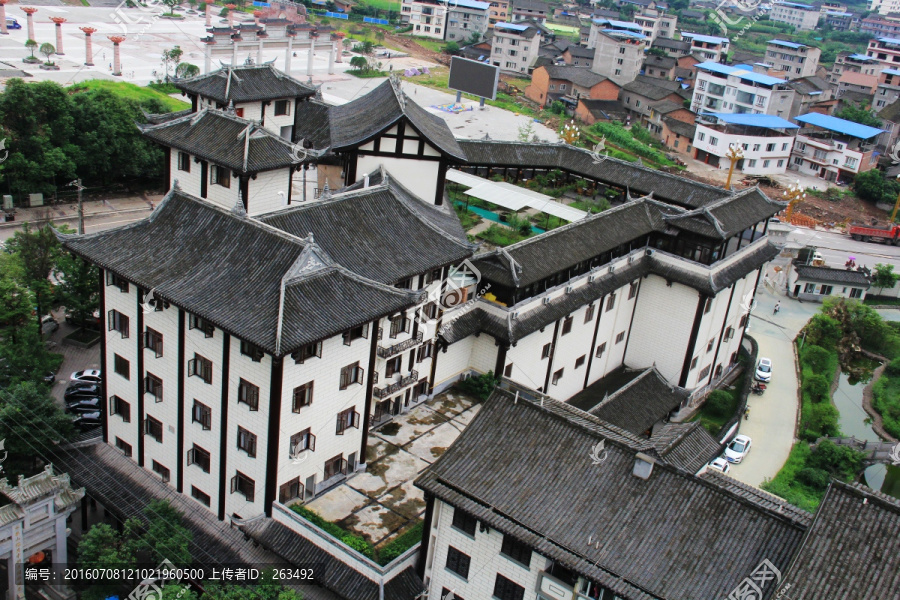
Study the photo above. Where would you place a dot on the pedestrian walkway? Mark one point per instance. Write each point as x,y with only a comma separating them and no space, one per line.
93,209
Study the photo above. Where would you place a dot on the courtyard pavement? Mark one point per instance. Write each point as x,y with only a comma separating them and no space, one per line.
382,501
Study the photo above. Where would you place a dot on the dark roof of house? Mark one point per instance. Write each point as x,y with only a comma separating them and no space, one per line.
381,222
643,402
530,4
662,62
610,110
852,549
218,136
350,124
670,44
806,85
685,445
850,97
693,14
651,87
728,216
680,127
580,51
829,275
580,76
671,535
252,280
246,83
155,119
891,112
638,178
664,107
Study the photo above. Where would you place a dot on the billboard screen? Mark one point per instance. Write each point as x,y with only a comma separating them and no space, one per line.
473,77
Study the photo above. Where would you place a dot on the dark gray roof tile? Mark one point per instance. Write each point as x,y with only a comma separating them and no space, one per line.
829,275
639,405
244,84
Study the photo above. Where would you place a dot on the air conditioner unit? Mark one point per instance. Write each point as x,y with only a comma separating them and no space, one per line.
649,252
515,315
570,289
630,259
591,278
612,268
546,300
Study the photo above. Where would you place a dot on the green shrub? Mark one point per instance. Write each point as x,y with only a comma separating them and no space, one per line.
479,386
821,421
818,359
720,403
354,541
893,368
824,331
360,545
839,461
817,386
817,479
401,543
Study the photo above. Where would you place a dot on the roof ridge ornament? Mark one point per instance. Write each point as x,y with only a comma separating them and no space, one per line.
230,108
326,192
239,209
396,84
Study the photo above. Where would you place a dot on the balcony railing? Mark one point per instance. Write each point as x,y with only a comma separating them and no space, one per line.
389,351
396,386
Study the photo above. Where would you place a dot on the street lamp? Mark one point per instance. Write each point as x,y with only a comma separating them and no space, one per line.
570,133
793,195
734,154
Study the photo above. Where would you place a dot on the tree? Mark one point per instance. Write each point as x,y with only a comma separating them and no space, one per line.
526,131
102,547
720,403
171,4
39,251
186,70
884,277
365,47
859,114
31,45
31,423
16,300
379,34
657,52
171,58
78,284
360,63
48,50
166,538
451,48
474,38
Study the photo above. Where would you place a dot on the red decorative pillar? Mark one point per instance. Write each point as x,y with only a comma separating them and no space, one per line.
29,12
117,62
256,15
88,45
59,44
3,30
209,4
231,8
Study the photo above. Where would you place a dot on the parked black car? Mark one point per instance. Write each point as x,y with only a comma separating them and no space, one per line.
87,420
82,390
85,405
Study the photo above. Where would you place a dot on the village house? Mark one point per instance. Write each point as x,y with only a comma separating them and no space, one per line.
804,17
618,55
592,111
854,63
515,46
738,89
569,83
639,95
678,135
796,60
834,149
765,141
661,67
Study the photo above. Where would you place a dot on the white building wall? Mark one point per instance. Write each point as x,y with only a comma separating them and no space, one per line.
222,196
418,176
189,181
454,362
263,192
755,149
117,385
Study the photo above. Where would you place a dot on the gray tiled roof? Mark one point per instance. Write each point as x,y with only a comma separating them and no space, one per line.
651,87
234,278
670,44
612,110
217,136
350,124
829,275
392,235
244,84
643,402
685,445
525,470
581,76
680,127
664,107
728,216
580,51
661,62
852,549
155,119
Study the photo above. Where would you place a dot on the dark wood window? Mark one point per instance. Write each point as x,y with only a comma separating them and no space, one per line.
601,349
117,406
610,302
729,333
335,466
394,365
254,352
118,322
464,522
282,107
246,441
301,442
153,385
567,325
744,320
356,333
620,337
206,327
545,352
184,162
710,344
425,351
153,428
243,485
248,394
201,413
704,372
507,372
707,306
162,471
219,176
200,496
430,310
113,279
557,376
121,366
198,456
303,396
694,363
347,419
589,313
351,374
632,290
124,446
458,562
516,550
579,362
399,324
291,490
445,593
201,367
307,352
153,341
505,589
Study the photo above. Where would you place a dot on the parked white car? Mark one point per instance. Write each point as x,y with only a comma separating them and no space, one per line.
719,464
738,449
87,376
764,370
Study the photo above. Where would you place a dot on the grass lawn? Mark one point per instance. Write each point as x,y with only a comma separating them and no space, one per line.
134,92
437,79
501,235
881,301
392,5
429,44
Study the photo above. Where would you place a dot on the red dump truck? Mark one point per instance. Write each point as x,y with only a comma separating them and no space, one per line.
889,235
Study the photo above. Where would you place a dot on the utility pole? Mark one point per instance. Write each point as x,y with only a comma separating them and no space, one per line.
77,185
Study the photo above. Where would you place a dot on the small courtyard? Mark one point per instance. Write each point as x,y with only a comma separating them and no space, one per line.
382,502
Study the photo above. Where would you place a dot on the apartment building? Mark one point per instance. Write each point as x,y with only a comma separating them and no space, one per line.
466,18
655,23
853,63
796,60
804,17
885,50
619,55
840,21
881,25
888,89
530,10
807,92
673,48
499,12
765,140
738,89
834,149
515,46
883,7
427,17
709,48
606,25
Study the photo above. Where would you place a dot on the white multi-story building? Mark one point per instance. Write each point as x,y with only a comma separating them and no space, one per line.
738,89
885,50
515,46
655,23
765,142
804,17
853,63
834,149
530,10
466,18
888,89
708,48
797,60
619,55
608,25
884,7
427,17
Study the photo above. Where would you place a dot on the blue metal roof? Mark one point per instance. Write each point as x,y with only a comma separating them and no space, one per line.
862,57
512,26
767,121
710,39
830,123
838,14
469,4
742,71
891,71
888,40
620,24
798,5
629,34
793,45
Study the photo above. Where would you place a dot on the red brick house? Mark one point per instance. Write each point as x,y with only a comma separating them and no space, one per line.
569,83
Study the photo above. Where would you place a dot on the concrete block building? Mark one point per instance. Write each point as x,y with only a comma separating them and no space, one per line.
834,149
765,140
720,88
804,17
515,46
795,60
466,18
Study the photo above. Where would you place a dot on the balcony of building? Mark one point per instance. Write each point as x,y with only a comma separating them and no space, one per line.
400,384
394,349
